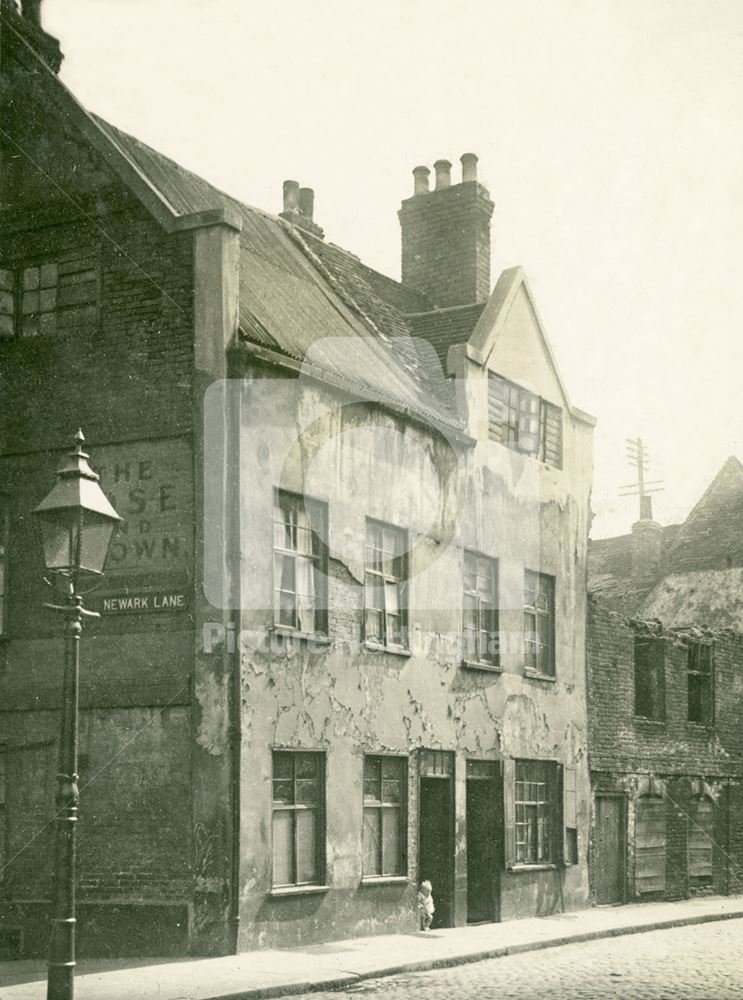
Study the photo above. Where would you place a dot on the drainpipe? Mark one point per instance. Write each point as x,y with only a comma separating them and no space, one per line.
235,700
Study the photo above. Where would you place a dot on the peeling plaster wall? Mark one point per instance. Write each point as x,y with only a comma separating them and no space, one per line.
347,700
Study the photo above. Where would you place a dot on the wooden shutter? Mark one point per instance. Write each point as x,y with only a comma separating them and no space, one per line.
509,812
650,845
551,434
570,810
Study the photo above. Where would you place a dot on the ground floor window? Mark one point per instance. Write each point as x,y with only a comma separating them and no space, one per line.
298,818
384,833
700,840
650,845
537,812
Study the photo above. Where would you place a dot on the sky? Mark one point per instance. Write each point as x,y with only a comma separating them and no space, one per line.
609,135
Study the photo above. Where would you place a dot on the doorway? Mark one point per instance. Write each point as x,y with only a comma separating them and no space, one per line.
609,863
483,841
436,832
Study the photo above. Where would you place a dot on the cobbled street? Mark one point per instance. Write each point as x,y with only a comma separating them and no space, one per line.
701,962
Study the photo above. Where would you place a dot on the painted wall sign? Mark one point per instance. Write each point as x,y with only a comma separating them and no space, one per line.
141,603
150,484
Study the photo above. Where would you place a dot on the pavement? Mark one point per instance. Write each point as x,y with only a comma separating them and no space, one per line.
271,972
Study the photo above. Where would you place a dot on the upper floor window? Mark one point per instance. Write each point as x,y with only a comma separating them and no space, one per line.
480,609
650,700
539,623
385,585
300,563
49,298
523,421
699,681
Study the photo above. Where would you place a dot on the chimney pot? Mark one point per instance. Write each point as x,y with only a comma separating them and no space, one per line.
31,10
307,202
443,174
291,196
469,167
421,180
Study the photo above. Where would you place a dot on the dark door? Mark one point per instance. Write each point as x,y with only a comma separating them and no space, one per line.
436,848
483,840
609,868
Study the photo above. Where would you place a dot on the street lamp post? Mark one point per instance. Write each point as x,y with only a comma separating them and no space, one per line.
77,523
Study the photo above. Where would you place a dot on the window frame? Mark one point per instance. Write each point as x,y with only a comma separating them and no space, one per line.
315,509
17,268
517,404
547,848
387,579
294,808
491,660
706,677
540,614
386,808
654,672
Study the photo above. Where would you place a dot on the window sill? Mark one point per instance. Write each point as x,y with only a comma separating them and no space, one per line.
545,866
534,675
492,668
701,726
375,647
384,880
299,890
288,633
654,723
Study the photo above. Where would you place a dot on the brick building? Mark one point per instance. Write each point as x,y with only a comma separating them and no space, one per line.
341,644
666,758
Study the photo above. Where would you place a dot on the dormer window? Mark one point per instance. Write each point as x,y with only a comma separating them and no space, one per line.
523,421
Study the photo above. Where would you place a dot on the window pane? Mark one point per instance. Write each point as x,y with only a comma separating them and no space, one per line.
372,842
373,778
306,820
391,864
30,278
282,847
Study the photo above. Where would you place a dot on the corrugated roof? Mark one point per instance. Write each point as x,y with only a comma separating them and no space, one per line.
296,290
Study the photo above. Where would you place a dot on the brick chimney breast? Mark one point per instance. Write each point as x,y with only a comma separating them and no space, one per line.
446,236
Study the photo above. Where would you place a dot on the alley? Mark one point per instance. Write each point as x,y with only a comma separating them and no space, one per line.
687,963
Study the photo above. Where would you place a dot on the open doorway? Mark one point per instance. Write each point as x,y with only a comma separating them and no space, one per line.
436,831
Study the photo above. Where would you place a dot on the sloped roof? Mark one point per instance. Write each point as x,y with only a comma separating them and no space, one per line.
442,328
295,290
712,535
702,597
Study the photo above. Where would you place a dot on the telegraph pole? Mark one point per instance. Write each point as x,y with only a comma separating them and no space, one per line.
637,456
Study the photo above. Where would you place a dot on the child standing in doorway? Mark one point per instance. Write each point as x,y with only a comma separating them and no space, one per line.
426,909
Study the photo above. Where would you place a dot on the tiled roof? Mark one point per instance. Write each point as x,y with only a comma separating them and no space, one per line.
712,535
296,290
444,327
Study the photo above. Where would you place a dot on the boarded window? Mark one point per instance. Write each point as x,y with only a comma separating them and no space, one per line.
700,839
298,818
535,808
650,702
699,678
539,623
521,420
300,563
385,585
480,609
650,845
384,833
7,302
57,297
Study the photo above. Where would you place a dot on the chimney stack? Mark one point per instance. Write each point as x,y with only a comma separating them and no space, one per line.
31,10
28,25
446,236
299,208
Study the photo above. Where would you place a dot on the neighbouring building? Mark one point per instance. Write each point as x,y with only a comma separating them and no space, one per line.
666,758
683,574
342,637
